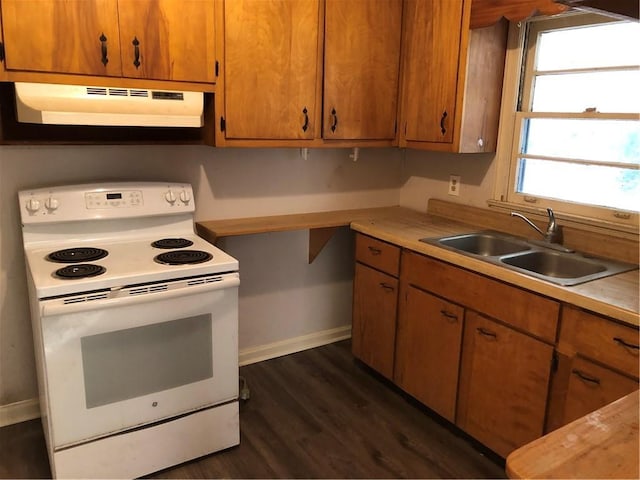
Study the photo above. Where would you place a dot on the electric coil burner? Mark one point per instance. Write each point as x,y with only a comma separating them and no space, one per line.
82,270
183,257
169,243
78,254
136,348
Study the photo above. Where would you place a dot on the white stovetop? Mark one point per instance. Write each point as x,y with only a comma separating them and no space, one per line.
129,262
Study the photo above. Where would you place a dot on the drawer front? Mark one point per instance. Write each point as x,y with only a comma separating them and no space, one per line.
600,339
378,254
519,308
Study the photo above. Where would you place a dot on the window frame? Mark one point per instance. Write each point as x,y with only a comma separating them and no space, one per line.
519,76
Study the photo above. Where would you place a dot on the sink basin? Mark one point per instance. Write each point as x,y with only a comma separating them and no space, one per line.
486,244
531,258
557,265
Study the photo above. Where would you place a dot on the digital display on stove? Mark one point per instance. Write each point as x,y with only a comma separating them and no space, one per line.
114,196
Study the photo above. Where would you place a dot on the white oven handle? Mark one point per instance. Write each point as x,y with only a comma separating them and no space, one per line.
120,299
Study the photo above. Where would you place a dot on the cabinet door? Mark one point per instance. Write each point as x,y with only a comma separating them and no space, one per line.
428,345
431,51
361,69
271,69
375,298
592,387
504,379
74,36
167,39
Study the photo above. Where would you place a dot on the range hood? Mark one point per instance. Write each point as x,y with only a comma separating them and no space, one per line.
82,105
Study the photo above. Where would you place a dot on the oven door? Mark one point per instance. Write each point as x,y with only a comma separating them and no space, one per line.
138,356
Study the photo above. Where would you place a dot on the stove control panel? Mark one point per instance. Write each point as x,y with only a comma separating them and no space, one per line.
119,199
105,201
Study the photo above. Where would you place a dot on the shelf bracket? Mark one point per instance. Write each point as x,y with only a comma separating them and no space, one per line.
318,238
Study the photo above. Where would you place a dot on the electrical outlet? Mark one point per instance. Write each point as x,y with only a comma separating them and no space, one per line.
454,185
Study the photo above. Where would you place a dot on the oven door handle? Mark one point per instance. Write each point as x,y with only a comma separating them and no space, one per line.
120,298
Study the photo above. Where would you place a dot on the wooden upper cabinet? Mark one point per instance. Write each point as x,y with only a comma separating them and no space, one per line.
452,78
432,47
72,36
271,69
168,39
361,69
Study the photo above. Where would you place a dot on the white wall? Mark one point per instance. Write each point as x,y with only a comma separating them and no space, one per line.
281,296
426,175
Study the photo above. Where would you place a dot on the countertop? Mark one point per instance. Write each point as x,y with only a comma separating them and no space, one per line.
602,444
616,296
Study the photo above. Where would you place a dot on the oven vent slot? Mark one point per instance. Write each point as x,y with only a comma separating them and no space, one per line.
203,280
149,289
86,298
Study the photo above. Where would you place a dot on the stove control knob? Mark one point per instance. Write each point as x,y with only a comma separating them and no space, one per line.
51,203
185,197
170,197
33,205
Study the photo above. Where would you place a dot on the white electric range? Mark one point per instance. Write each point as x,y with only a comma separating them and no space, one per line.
135,328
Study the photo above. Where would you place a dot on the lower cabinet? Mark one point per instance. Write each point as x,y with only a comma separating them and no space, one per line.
504,378
591,387
429,337
373,331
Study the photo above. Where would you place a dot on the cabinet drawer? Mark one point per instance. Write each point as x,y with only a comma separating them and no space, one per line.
592,387
600,339
519,308
378,254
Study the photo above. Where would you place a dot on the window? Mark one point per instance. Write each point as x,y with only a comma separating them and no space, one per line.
575,133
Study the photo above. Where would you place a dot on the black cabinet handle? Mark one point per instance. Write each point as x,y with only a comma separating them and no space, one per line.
486,333
305,126
334,124
103,49
387,287
626,344
442,119
136,52
375,251
585,377
449,316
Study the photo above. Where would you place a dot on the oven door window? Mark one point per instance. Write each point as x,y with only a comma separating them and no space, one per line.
138,361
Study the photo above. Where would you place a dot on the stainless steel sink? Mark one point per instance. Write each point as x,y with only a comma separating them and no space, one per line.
561,267
486,244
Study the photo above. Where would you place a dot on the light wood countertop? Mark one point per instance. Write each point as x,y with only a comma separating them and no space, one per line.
602,444
616,296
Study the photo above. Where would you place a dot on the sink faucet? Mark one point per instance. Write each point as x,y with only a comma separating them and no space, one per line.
553,234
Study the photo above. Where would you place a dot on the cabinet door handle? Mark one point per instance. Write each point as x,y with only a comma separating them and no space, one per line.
305,126
442,119
585,377
452,317
625,344
375,251
136,52
103,49
334,116
486,333
387,287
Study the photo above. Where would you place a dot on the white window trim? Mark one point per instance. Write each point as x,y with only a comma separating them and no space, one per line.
507,143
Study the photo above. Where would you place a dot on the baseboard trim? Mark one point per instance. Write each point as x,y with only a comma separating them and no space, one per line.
19,412
29,409
293,345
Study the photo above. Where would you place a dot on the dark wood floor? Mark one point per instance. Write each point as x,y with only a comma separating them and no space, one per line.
314,414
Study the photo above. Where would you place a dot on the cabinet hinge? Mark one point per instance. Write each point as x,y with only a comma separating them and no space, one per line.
223,124
1,52
554,362
217,68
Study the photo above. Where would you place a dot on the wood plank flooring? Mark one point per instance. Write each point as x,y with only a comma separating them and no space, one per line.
314,414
